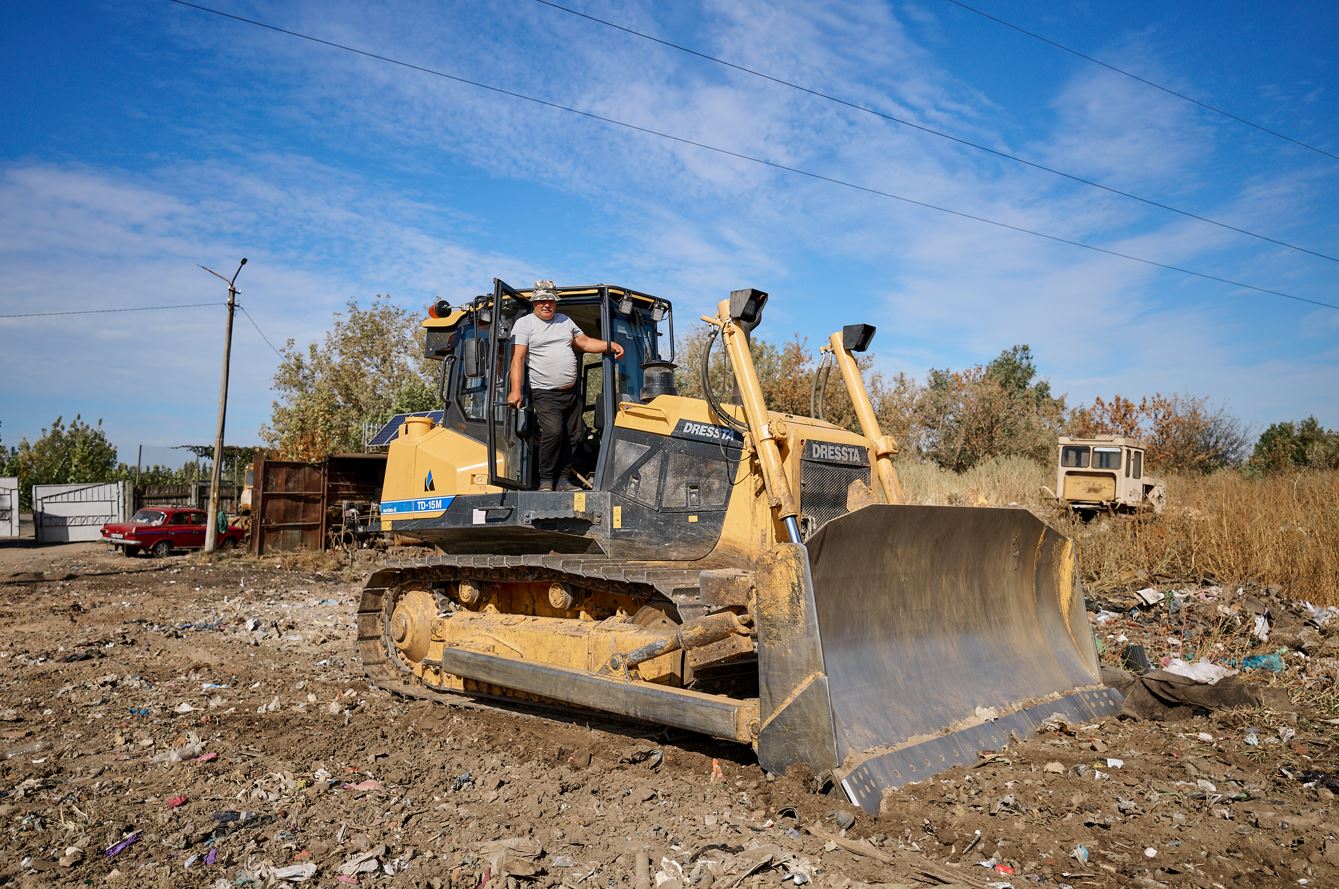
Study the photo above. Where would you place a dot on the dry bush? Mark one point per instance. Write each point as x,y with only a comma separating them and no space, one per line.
1226,527
999,481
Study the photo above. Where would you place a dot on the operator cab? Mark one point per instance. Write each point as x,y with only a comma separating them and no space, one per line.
476,382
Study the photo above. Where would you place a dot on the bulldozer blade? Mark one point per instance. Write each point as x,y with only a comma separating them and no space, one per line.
913,638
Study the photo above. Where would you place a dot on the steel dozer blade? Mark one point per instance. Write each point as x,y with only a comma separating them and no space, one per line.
907,639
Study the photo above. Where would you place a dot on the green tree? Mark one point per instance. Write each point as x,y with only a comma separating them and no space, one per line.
1001,409
368,368
1302,445
61,455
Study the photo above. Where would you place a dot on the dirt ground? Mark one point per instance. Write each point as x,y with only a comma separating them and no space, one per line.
205,722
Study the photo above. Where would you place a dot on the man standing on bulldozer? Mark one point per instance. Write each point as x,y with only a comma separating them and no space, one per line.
543,346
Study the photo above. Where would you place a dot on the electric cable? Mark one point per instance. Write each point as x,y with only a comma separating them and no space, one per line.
1143,80
101,311
243,310
939,133
756,160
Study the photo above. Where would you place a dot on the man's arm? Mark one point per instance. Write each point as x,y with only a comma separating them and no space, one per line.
594,346
514,392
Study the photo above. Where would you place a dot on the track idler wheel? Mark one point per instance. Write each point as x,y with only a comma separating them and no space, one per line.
411,624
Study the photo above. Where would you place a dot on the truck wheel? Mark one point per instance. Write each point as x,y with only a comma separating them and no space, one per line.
161,549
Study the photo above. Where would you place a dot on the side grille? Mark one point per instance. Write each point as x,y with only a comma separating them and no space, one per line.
823,489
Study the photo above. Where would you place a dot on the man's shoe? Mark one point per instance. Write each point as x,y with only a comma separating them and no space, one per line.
567,485
546,486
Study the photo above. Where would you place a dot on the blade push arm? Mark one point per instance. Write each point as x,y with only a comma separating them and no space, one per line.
764,432
883,445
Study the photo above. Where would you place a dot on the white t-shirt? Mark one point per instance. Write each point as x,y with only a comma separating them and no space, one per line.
550,359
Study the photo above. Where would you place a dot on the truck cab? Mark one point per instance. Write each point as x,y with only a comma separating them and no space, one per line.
1106,473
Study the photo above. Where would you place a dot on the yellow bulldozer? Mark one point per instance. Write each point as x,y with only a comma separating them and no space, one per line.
733,571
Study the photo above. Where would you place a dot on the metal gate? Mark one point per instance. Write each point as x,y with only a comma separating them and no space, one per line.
299,506
9,507
289,509
69,513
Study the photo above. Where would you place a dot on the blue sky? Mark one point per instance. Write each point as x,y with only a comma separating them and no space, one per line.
145,138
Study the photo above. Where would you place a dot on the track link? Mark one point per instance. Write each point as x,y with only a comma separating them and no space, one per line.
383,665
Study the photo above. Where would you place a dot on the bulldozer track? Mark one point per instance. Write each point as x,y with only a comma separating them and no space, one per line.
383,666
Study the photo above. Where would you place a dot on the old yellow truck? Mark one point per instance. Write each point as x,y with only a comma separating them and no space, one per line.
1106,473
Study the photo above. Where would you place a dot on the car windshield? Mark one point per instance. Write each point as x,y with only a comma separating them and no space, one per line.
149,517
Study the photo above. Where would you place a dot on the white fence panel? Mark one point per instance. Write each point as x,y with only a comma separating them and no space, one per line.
9,507
68,513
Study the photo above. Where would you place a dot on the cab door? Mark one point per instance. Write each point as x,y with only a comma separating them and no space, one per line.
511,458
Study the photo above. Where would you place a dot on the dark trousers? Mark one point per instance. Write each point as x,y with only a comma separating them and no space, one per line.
558,412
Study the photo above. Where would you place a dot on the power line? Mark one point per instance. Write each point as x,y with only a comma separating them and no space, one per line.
933,132
101,311
258,330
1145,81
750,158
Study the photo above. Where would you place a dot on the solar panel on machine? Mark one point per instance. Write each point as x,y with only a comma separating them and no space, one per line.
392,429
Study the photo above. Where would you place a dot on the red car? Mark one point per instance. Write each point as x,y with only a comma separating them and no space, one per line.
161,529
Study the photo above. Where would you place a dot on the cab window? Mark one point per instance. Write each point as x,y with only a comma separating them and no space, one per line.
1074,456
1106,458
1137,458
471,383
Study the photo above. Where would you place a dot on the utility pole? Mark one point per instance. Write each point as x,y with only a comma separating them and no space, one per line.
215,476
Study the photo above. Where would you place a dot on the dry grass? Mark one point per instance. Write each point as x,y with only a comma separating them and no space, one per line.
1226,528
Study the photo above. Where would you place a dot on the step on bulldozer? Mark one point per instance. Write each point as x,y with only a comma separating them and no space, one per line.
725,569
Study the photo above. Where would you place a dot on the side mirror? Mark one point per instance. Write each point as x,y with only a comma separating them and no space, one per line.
471,357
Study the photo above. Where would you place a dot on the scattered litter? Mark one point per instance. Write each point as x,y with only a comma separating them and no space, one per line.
653,757
1149,596
363,863
1150,852
294,873
1081,853
716,774
175,801
1261,628
1136,659
369,784
1201,671
1113,763
1272,662
125,843
1252,737
1319,617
